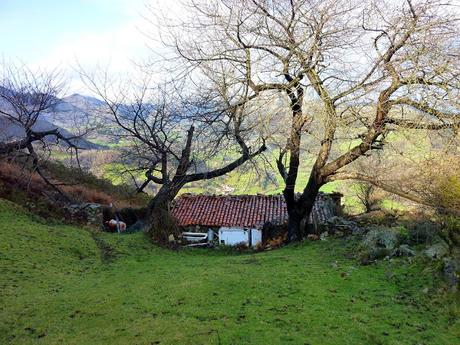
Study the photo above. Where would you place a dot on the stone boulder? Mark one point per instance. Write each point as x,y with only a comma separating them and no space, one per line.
342,225
378,243
437,250
380,238
90,212
451,271
403,250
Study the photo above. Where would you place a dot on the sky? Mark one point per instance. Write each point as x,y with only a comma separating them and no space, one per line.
64,33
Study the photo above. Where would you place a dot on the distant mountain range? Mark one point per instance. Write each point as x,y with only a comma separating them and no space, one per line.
73,110
11,131
68,115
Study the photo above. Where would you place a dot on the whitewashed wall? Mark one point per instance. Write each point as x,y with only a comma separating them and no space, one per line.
233,236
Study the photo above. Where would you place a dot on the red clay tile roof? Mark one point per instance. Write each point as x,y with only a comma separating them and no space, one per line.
251,211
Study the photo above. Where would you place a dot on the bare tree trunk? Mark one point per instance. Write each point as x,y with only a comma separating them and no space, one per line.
301,208
164,197
160,200
297,214
296,211
161,223
294,226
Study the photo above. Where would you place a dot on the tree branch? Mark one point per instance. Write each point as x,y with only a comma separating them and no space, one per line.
226,169
344,175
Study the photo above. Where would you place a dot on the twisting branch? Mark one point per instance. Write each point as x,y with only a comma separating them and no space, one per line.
26,96
172,137
345,175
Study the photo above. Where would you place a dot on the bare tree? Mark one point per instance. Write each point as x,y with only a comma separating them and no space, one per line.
350,71
175,137
366,194
25,98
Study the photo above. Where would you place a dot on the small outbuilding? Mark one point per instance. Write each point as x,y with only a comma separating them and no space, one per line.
241,218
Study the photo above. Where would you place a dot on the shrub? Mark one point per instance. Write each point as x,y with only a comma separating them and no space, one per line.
85,194
25,187
448,194
423,231
403,234
14,176
451,230
369,196
77,176
439,184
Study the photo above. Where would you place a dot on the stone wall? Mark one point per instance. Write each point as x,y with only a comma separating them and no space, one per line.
90,213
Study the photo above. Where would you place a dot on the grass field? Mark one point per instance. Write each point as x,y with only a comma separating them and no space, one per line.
66,285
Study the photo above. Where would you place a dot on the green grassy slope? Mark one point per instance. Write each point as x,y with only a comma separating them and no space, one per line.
65,285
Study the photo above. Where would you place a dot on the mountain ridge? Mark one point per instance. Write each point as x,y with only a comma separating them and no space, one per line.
66,115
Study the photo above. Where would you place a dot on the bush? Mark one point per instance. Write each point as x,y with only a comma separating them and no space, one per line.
402,234
15,177
86,194
439,184
369,196
448,194
18,183
424,231
98,189
451,230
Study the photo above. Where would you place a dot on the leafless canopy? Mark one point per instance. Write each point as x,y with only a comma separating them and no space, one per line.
26,96
373,66
173,135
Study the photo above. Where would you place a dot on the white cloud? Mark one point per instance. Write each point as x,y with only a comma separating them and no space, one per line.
117,49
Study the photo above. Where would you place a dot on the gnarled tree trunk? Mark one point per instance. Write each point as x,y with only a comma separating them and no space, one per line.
299,209
161,223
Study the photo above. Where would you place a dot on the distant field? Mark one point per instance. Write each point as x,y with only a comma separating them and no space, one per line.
248,181
262,176
66,285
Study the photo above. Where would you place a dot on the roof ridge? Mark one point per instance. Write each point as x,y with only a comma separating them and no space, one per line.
191,195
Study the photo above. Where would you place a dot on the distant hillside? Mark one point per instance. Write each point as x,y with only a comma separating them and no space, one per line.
24,187
10,131
83,102
67,115
74,110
